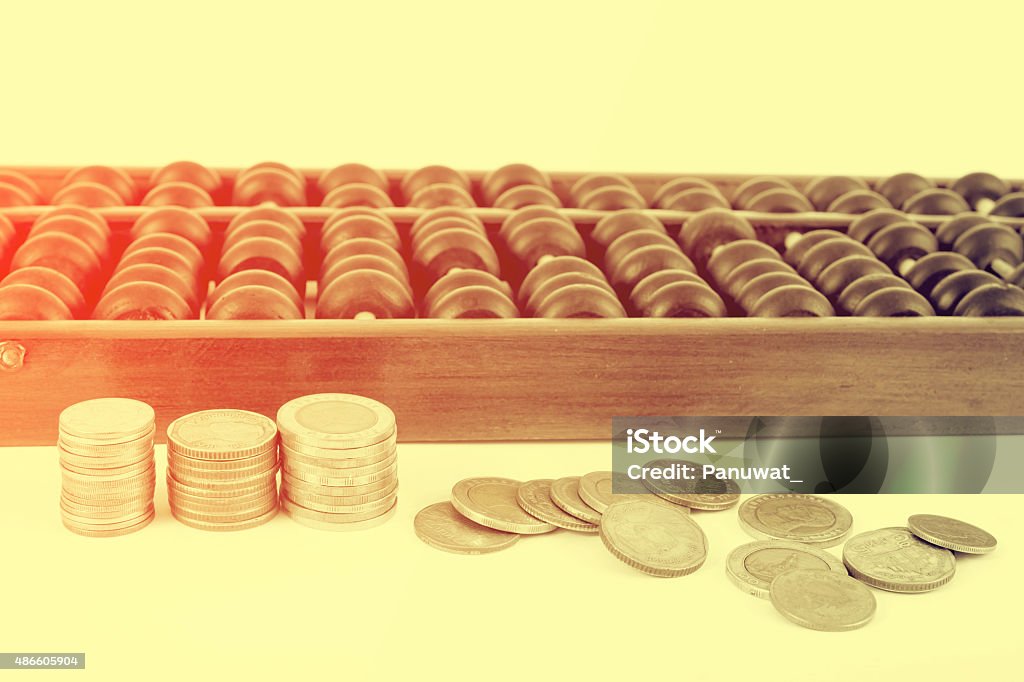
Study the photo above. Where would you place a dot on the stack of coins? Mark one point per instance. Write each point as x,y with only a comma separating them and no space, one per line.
222,469
339,461
107,469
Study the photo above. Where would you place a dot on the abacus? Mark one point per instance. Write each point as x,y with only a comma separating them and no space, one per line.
512,304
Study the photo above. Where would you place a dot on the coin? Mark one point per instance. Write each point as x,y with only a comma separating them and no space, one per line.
307,499
822,600
337,420
652,537
565,493
595,489
341,477
708,494
951,534
221,435
335,522
753,566
221,526
492,502
301,457
440,525
535,499
94,533
896,560
339,457
107,420
809,519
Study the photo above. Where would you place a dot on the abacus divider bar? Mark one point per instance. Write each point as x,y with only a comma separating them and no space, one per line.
316,215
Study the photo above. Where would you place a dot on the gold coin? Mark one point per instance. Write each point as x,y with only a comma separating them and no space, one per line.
310,519
338,457
87,532
440,525
107,420
339,420
492,502
238,525
655,538
565,493
222,435
535,498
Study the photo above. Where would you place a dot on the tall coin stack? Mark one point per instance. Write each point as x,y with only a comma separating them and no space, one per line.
339,461
222,469
108,473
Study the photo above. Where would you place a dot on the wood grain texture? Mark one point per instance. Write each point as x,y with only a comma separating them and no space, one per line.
521,379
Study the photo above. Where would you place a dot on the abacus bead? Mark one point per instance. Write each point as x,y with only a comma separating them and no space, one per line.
510,176
977,186
265,228
1010,205
823,191
629,242
808,240
551,267
845,271
557,282
936,202
641,294
696,199
948,293
611,199
858,201
173,242
676,185
258,168
517,218
643,261
752,292
474,302
141,300
442,194
930,270
177,194
364,245
253,302
984,244
900,241
78,212
160,255
1017,276
29,188
349,174
541,237
31,302
12,196
434,214
864,227
752,187
828,252
850,297
278,215
263,278
187,171
593,181
341,227
357,194
900,187
114,178
713,227
364,291
894,302
792,300
738,278
263,254
161,274
616,224
88,232
950,230
457,279
416,180
779,200
88,194
268,184
527,195
581,300
456,248
51,280
175,220
65,253
684,299
992,300
730,256
362,262
444,223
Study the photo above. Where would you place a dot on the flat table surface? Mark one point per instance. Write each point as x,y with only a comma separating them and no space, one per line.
288,602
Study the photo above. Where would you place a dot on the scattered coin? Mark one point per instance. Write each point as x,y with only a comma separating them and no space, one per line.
809,519
951,534
655,538
565,493
535,499
896,560
442,526
706,494
753,566
822,600
492,502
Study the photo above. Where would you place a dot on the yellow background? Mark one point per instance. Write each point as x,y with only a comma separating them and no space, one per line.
871,87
